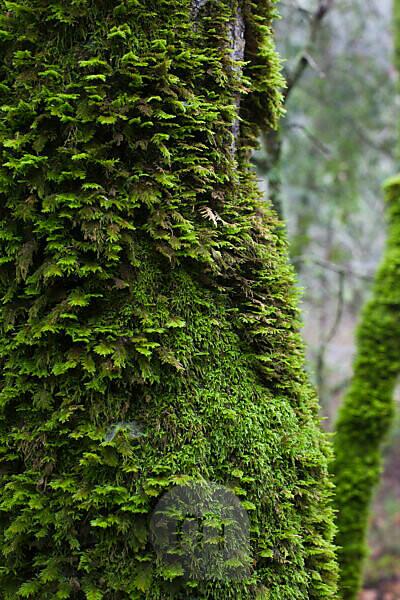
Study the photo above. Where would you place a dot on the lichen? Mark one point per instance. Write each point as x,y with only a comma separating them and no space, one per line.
143,281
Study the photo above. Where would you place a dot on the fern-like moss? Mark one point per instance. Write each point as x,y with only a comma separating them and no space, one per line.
143,281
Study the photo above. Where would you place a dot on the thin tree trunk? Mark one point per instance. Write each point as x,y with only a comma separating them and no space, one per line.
368,408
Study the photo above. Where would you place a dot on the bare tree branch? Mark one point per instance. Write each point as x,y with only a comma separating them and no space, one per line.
346,271
305,60
339,311
320,146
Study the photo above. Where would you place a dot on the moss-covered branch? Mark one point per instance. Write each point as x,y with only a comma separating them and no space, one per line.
367,411
368,407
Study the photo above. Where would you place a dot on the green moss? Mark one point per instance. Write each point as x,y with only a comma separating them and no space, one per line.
368,408
142,280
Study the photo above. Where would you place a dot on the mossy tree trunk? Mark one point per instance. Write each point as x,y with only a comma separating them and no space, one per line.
368,408
145,288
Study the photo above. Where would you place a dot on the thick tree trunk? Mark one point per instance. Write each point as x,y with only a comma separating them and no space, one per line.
149,344
368,408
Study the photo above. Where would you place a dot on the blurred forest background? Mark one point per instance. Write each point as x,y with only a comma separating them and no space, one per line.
324,172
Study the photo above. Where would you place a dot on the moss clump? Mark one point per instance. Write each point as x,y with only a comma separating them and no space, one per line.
143,282
368,408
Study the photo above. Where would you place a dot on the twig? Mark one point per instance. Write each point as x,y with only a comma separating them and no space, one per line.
305,60
335,268
317,143
339,311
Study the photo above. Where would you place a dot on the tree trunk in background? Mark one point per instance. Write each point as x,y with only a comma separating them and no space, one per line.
149,333
368,408
270,166
367,411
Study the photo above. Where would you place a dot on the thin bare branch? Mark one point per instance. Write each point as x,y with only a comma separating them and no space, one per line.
305,60
320,146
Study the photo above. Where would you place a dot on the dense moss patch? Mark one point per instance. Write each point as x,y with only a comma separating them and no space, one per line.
368,408
143,282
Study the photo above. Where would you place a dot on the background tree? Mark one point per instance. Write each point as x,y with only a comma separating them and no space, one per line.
146,292
269,159
337,147
338,141
368,408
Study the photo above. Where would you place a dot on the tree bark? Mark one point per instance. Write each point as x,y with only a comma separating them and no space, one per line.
149,339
